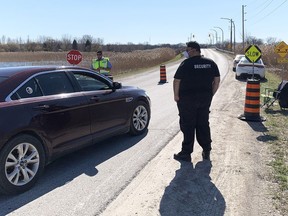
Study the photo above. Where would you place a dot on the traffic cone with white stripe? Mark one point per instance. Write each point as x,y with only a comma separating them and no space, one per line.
252,102
163,78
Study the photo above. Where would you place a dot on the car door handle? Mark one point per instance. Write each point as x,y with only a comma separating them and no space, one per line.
42,107
95,98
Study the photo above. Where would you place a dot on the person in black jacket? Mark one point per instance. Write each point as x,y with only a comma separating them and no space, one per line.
195,82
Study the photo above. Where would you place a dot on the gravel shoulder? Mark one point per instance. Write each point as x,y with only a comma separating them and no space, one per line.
236,182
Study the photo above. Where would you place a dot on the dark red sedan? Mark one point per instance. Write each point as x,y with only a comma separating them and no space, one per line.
48,111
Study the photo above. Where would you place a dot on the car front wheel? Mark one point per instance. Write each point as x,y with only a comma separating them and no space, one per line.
140,119
21,163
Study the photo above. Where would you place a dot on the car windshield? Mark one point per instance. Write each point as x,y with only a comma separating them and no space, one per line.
238,57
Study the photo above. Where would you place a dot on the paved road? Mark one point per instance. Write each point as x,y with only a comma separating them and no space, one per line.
235,183
85,182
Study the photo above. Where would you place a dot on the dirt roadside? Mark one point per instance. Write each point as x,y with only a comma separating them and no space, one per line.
235,182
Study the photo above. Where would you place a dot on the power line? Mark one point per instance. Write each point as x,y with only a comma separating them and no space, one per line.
276,8
263,8
271,12
260,5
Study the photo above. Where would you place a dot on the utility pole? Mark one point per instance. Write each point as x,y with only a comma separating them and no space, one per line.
215,34
234,36
243,21
231,21
222,34
211,42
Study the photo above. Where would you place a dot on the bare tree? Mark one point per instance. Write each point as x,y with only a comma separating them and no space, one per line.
3,39
51,45
254,40
272,40
66,42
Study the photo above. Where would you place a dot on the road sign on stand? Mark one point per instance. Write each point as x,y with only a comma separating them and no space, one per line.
282,60
253,53
282,49
74,57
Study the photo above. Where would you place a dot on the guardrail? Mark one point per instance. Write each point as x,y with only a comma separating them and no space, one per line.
225,51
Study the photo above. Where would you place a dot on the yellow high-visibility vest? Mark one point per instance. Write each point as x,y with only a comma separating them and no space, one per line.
103,63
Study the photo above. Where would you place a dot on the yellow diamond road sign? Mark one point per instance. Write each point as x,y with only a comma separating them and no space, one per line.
253,53
281,49
282,60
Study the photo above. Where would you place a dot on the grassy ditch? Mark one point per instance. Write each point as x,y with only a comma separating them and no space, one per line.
277,134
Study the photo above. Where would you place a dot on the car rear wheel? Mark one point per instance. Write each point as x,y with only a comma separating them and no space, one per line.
140,118
21,163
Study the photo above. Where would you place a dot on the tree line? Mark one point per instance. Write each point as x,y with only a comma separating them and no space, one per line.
88,43
85,44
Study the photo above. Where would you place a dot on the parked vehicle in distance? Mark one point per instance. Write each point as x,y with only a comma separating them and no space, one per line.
245,69
236,61
49,111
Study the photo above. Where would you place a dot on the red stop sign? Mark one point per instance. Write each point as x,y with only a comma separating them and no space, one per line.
74,57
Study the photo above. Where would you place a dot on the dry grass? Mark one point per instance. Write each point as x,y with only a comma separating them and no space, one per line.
277,131
276,126
121,62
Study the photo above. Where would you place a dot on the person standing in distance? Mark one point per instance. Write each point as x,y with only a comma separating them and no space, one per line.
101,64
195,82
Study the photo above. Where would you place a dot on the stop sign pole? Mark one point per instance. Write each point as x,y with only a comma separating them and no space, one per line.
74,57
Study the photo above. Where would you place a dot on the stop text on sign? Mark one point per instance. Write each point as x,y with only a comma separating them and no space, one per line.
74,57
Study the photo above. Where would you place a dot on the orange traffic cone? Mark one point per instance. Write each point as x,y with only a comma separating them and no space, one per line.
252,102
163,78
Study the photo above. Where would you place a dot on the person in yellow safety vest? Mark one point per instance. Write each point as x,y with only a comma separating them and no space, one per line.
101,64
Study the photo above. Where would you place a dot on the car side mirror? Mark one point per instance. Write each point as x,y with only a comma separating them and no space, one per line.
117,85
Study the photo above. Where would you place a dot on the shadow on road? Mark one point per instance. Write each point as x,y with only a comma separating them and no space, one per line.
260,127
65,169
191,192
257,126
279,111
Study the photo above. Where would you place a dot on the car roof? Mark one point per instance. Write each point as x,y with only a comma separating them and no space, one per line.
245,60
238,56
16,75
11,71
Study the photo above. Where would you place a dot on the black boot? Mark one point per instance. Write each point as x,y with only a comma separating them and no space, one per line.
182,156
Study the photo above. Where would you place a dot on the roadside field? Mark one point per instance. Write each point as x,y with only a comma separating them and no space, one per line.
121,62
277,136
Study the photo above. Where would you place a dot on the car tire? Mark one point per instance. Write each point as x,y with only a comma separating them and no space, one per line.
139,119
237,77
22,161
